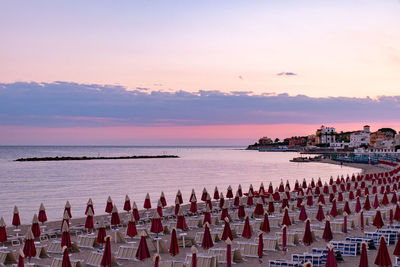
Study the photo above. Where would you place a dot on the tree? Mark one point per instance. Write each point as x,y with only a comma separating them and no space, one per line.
387,130
277,140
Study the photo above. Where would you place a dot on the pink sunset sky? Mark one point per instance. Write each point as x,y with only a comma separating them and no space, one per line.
195,72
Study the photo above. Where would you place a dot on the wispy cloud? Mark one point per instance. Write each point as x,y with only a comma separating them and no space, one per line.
286,74
63,104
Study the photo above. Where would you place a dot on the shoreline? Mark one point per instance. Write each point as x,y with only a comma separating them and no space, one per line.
95,158
366,168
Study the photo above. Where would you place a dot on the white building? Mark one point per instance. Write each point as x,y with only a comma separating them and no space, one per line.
325,135
360,138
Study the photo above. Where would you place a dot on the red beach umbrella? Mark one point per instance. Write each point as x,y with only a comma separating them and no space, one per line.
286,219
327,235
101,232
127,204
142,252
396,215
250,201
35,226
330,259
310,201
321,199
362,220
42,214
228,252
259,209
65,261
174,248
204,194
307,237
106,259
347,207
216,194
345,222
156,225
376,202
88,205
239,191
396,251
358,205
147,202
3,231
265,227
16,221
194,256
65,219
89,224
207,241
385,199
224,211
260,248
207,215
303,213
284,239
383,258
177,206
163,200
193,205
320,214
179,196
21,257
131,231
285,202
109,205
29,246
271,207
251,189
68,209
114,216
270,188
180,221
367,204
229,192
193,194
135,212
364,255
208,201
299,201
378,222
247,229
241,210
394,198
65,236
334,211
159,208
156,260
236,200
221,201
227,233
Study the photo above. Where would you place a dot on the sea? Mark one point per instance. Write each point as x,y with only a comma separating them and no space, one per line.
27,184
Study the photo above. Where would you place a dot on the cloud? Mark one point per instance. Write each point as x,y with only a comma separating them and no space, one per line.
286,74
63,104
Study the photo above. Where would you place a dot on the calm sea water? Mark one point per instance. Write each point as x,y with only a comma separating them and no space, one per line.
27,184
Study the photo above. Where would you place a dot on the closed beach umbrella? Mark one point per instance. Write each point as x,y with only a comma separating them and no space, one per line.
247,228
142,252
65,219
216,193
174,248
207,215
221,201
127,204
131,231
265,227
396,251
334,211
271,207
229,192
307,237
260,248
376,202
21,257
394,198
347,207
193,205
330,258
378,222
208,201
147,202
382,257
29,246
114,216
303,214
364,255
224,211
345,222
89,224
68,209
251,189
106,259
327,235
241,210
204,194
181,221
193,194
179,196
156,260
285,201
16,221
89,204
362,220
65,236
236,200
240,191
159,208
194,256
109,205
286,219
228,252
177,206
35,226
156,225
310,201
250,201
320,214
3,231
227,232
284,239
367,204
321,199
385,199
259,209
262,195
101,232
66,261
270,188
42,214
135,212
207,241
396,215
163,200
358,205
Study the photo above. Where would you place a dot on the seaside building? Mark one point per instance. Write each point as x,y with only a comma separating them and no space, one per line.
360,138
379,137
325,135
263,141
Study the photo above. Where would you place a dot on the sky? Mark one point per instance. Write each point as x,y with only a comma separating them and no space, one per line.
195,72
